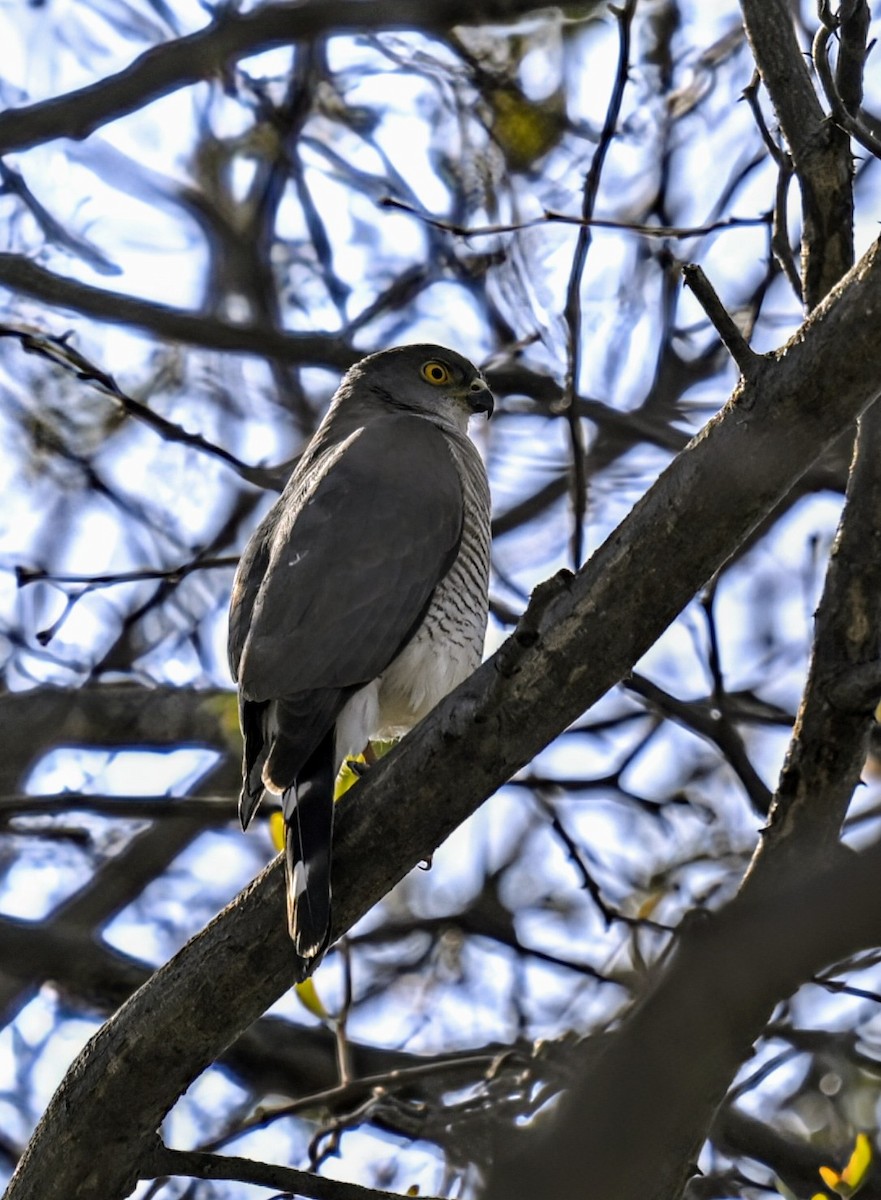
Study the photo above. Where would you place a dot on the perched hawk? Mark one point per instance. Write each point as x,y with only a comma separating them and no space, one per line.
361,599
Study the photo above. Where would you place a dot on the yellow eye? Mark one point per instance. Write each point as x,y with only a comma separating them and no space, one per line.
435,372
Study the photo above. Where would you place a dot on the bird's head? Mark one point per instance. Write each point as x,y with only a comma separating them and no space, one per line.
425,379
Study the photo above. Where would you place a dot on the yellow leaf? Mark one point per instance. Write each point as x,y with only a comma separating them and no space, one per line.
648,906
523,129
853,1176
276,829
860,1161
413,1189
309,998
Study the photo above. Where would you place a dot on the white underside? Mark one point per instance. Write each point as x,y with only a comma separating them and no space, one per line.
419,678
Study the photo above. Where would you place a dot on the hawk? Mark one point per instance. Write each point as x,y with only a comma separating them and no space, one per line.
361,599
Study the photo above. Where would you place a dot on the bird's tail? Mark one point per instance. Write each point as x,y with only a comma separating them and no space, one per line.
308,817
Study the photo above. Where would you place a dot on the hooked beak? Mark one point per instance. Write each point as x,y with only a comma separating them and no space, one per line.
480,398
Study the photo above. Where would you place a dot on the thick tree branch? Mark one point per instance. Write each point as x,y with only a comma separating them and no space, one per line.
831,738
20,275
208,53
820,150
633,1126
580,636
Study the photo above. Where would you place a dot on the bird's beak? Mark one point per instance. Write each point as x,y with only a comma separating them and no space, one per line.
480,398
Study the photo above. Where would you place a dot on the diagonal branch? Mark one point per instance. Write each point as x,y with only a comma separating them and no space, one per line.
164,1161
831,736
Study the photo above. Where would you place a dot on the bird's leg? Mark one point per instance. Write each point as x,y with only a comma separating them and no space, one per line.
361,768
358,768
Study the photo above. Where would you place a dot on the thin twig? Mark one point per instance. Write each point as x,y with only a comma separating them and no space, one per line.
846,989
58,350
356,1091
550,216
575,857
780,244
751,95
28,575
572,307
341,1040
735,343
717,729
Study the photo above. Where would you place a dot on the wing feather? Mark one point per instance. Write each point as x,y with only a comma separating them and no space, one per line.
339,575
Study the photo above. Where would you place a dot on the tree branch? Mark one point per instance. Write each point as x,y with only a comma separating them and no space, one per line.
831,738
634,1124
198,1165
820,149
20,275
746,359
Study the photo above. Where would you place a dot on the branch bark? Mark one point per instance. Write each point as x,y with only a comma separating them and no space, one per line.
820,149
26,278
580,635
830,739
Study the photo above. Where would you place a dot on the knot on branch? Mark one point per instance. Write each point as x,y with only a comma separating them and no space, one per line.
528,632
856,690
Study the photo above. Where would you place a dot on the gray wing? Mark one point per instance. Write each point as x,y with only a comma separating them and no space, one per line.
337,579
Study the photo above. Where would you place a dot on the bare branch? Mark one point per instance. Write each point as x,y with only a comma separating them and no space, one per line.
688,1035
163,1161
846,113
820,151
736,344
572,306
552,217
115,308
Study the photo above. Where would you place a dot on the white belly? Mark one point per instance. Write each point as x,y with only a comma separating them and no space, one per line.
425,671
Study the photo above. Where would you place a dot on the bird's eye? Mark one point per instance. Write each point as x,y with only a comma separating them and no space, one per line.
435,372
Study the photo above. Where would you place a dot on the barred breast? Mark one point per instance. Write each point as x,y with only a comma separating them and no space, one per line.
448,645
